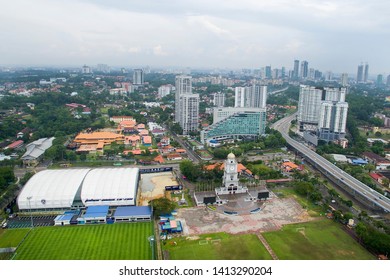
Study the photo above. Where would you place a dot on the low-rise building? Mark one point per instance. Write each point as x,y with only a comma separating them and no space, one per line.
380,162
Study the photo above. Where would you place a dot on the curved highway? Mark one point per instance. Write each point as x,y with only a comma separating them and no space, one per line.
369,194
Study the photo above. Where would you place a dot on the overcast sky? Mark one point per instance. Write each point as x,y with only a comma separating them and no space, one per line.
332,35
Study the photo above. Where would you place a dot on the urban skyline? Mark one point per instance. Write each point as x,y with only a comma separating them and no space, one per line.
220,34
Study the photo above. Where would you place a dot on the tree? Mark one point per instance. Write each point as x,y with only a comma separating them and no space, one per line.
83,157
190,170
162,206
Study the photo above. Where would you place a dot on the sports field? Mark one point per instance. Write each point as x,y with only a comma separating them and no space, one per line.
90,242
218,246
12,237
318,240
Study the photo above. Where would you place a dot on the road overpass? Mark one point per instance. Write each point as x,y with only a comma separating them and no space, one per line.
357,189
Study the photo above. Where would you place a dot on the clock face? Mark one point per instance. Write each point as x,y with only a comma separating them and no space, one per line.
232,168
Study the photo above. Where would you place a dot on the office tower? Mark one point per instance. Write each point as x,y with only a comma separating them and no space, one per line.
317,75
388,81
183,86
379,80
219,99
311,74
138,77
252,96
365,77
296,69
304,69
189,112
268,72
283,72
359,77
344,79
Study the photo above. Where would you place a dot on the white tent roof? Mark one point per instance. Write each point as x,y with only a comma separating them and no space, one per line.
110,186
51,189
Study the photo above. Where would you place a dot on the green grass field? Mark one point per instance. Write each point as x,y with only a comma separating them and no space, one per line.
90,242
12,237
219,246
318,240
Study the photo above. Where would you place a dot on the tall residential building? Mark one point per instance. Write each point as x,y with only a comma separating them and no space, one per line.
309,105
164,90
183,85
333,120
304,69
189,112
334,94
296,69
235,123
86,70
138,77
239,97
186,105
344,79
103,68
365,77
252,96
323,110
219,99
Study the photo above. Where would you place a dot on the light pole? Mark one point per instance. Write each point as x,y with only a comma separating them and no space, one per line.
151,241
29,205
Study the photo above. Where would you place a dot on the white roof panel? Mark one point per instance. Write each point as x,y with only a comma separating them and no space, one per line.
51,189
110,186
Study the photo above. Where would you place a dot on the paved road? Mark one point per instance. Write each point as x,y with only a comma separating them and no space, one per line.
374,197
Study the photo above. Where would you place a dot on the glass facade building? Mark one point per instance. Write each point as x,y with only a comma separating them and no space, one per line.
240,125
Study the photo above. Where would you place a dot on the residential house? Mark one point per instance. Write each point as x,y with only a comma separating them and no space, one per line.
380,162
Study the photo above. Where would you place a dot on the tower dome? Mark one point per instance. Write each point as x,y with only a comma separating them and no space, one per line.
231,156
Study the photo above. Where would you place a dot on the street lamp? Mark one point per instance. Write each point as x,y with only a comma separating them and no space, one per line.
29,205
151,241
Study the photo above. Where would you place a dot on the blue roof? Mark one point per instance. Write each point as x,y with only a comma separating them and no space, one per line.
133,211
67,217
359,160
97,209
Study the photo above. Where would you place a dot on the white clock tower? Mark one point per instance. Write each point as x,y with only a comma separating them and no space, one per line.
230,177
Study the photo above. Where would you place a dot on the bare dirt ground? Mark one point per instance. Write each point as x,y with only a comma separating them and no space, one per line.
274,214
152,186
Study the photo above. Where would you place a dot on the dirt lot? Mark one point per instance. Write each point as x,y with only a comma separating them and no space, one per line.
153,186
276,212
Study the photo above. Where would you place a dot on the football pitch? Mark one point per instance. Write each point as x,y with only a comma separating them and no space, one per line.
90,242
317,240
217,246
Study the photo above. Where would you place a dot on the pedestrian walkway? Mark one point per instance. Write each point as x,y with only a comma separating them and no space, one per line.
266,245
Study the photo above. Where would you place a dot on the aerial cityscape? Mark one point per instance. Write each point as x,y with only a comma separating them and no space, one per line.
177,131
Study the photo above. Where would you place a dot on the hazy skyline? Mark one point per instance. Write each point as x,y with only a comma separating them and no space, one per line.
330,35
